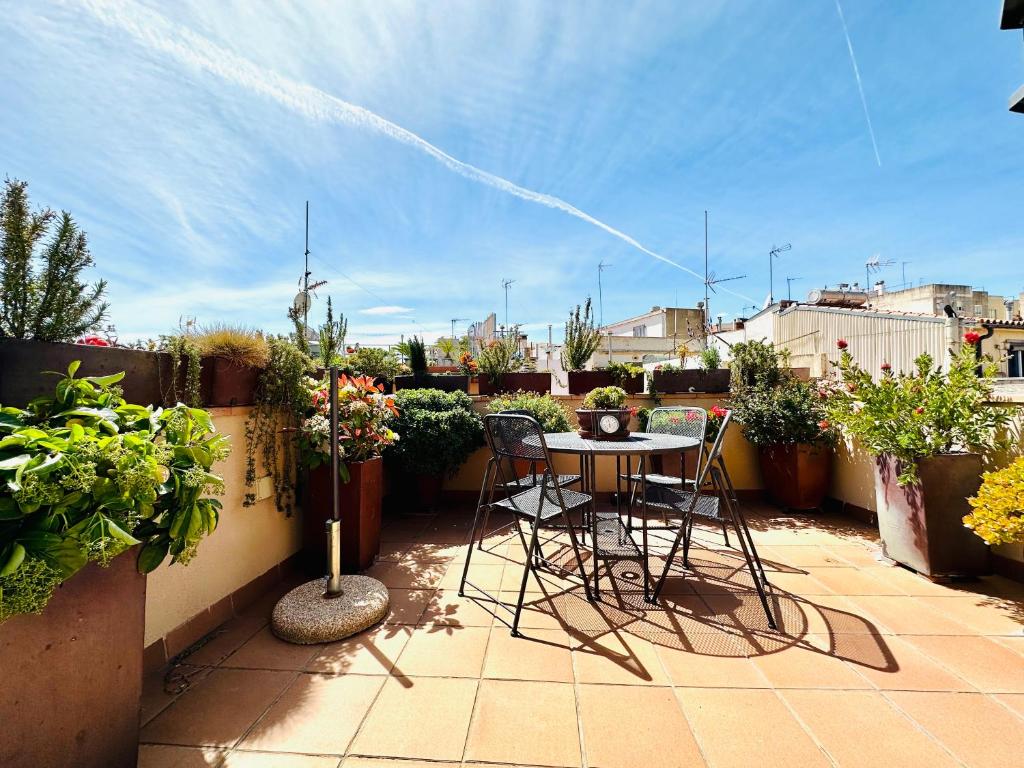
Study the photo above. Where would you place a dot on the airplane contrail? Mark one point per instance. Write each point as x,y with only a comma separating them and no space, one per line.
154,31
860,85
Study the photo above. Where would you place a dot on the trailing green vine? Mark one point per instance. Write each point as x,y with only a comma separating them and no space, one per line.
185,389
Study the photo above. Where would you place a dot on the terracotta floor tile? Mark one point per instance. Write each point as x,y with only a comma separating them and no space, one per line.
373,652
219,710
265,651
443,651
801,557
424,718
908,616
545,730
539,611
407,605
861,728
409,575
316,714
540,654
744,728
895,663
984,615
1014,701
988,665
241,759
376,762
855,554
393,551
974,727
803,667
163,756
635,727
432,552
724,665
486,576
623,659
852,581
228,638
446,607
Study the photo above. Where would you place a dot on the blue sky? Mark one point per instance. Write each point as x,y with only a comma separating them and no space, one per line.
186,137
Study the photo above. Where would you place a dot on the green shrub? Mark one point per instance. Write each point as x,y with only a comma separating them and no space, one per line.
544,408
500,356
371,361
438,431
581,339
710,358
605,399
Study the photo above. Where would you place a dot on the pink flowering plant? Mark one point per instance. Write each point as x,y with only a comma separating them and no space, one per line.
365,415
925,412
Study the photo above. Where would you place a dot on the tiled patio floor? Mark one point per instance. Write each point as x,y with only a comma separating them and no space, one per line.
872,666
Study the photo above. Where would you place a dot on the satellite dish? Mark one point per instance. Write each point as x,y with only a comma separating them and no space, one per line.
301,302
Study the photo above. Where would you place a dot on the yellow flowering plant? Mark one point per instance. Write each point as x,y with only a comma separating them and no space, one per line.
998,515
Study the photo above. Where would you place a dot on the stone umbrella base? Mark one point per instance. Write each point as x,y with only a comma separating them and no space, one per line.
305,616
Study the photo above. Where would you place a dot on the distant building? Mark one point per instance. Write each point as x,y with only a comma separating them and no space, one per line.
654,335
931,299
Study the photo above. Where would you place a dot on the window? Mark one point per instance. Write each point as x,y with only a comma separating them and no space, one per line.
1015,360
639,330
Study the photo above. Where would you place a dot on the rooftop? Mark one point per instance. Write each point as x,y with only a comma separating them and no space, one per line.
872,665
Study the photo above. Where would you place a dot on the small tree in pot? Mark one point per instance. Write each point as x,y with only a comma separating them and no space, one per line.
604,415
927,430
786,419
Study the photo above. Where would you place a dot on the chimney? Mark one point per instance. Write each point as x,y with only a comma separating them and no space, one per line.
1008,303
880,288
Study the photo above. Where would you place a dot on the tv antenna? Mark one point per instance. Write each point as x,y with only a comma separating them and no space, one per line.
789,287
505,284
301,302
874,264
710,278
903,283
601,267
773,254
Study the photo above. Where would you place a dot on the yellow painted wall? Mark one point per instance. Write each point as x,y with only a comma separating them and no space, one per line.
247,543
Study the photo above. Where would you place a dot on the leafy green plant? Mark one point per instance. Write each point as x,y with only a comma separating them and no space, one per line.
41,295
439,430
922,413
243,346
417,354
500,356
581,339
605,399
998,507
544,408
710,358
375,362
85,475
756,363
332,337
282,401
184,388
623,372
448,347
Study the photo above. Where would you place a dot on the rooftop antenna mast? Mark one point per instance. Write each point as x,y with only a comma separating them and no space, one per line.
457,320
710,279
601,267
874,264
301,303
505,284
773,254
789,287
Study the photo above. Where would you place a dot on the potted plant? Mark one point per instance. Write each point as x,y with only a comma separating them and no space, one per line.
628,376
331,336
997,509
580,342
604,415
380,364
86,479
421,378
543,407
709,376
787,422
927,430
235,357
439,430
365,415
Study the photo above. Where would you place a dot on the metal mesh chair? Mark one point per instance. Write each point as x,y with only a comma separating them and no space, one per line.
517,482
713,497
512,437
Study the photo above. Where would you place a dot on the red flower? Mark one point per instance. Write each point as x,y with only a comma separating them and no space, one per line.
691,416
919,410
718,411
972,337
93,341
841,343
886,367
823,425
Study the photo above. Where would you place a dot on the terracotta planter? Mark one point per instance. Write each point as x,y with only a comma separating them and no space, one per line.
692,380
231,384
796,476
589,420
427,489
73,674
922,525
581,382
431,381
360,509
514,382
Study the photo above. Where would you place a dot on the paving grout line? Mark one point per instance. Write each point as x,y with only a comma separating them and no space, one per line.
920,726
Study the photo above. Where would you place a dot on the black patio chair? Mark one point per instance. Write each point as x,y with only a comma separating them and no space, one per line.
713,497
519,436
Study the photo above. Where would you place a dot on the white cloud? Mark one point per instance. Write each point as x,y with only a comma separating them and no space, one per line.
387,309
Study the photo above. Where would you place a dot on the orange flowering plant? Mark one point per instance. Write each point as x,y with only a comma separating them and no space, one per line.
365,415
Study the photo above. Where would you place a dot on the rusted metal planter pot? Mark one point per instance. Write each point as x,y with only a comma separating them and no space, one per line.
692,380
231,384
359,502
796,476
921,526
72,675
588,420
514,382
581,382
433,381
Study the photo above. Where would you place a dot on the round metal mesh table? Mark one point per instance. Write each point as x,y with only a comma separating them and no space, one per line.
636,444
